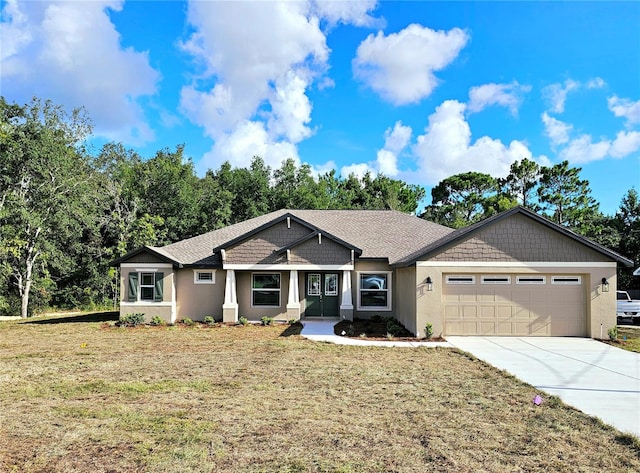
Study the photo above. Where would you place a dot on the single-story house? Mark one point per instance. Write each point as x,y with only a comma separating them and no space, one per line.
515,273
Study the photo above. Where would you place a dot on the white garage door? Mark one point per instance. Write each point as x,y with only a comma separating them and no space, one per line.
514,304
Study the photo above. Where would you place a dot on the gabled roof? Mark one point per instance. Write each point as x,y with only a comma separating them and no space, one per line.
378,234
159,253
313,232
466,232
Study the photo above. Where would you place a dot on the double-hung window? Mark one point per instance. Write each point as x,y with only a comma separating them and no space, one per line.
374,291
145,286
265,289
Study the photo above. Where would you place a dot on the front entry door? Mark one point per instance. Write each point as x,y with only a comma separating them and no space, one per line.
322,295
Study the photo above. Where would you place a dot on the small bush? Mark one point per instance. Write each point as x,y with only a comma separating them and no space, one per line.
132,320
266,320
243,321
292,321
187,321
613,333
394,328
428,331
377,318
157,320
209,320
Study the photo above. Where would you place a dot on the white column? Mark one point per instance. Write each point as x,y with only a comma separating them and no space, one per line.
230,306
347,301
293,301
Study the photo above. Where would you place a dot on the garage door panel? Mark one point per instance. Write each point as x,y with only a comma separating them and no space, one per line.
515,309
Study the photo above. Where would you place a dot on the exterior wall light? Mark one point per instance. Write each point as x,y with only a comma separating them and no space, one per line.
605,285
429,283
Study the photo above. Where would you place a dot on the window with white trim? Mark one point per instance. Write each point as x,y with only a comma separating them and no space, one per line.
374,290
531,280
460,279
204,277
147,286
265,290
495,279
566,280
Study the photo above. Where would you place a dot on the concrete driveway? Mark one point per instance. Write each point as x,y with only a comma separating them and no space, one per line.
598,379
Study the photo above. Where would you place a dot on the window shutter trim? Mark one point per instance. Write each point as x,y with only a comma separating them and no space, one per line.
159,292
132,288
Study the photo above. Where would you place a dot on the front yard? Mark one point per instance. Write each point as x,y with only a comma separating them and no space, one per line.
76,396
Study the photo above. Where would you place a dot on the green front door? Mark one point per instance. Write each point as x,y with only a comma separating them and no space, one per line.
322,295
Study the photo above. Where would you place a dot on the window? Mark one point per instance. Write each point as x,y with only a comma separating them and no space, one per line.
566,280
204,277
145,286
265,290
461,279
374,291
531,280
496,279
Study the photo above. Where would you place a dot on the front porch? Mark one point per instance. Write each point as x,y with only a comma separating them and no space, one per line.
318,292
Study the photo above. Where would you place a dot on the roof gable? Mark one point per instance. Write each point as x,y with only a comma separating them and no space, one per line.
467,233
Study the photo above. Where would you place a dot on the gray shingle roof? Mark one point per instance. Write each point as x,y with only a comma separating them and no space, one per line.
384,234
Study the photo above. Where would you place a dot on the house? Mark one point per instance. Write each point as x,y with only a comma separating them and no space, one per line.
515,273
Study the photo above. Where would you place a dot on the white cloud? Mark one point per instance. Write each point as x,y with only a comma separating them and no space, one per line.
446,149
556,130
556,94
625,108
506,95
70,52
358,170
396,140
596,83
581,150
252,93
400,67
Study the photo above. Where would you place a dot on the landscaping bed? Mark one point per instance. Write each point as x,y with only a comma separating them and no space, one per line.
378,328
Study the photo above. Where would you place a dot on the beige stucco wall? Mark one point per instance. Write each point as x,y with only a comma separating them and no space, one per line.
197,301
405,299
162,309
600,307
243,288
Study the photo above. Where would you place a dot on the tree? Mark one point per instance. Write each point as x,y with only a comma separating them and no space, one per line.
565,198
45,192
627,219
460,200
520,185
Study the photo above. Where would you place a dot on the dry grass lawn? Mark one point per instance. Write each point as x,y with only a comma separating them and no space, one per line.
628,338
76,397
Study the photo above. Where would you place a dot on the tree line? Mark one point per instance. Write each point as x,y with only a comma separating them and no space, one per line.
67,210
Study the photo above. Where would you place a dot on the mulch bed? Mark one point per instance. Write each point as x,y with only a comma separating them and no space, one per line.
376,330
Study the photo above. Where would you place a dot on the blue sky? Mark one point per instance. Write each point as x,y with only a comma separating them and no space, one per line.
416,90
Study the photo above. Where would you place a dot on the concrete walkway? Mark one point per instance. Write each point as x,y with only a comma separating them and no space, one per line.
600,380
321,330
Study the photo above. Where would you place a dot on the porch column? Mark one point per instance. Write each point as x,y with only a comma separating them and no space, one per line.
230,306
293,302
346,306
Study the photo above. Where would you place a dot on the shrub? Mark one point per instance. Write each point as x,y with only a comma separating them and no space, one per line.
377,318
428,331
613,333
292,321
132,320
157,320
187,321
209,320
266,320
243,321
393,327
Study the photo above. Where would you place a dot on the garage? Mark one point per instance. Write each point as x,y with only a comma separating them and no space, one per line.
515,304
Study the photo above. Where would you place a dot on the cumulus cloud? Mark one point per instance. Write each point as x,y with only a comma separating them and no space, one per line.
70,52
507,95
396,140
556,94
251,95
582,150
556,130
625,108
446,148
400,67
596,83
